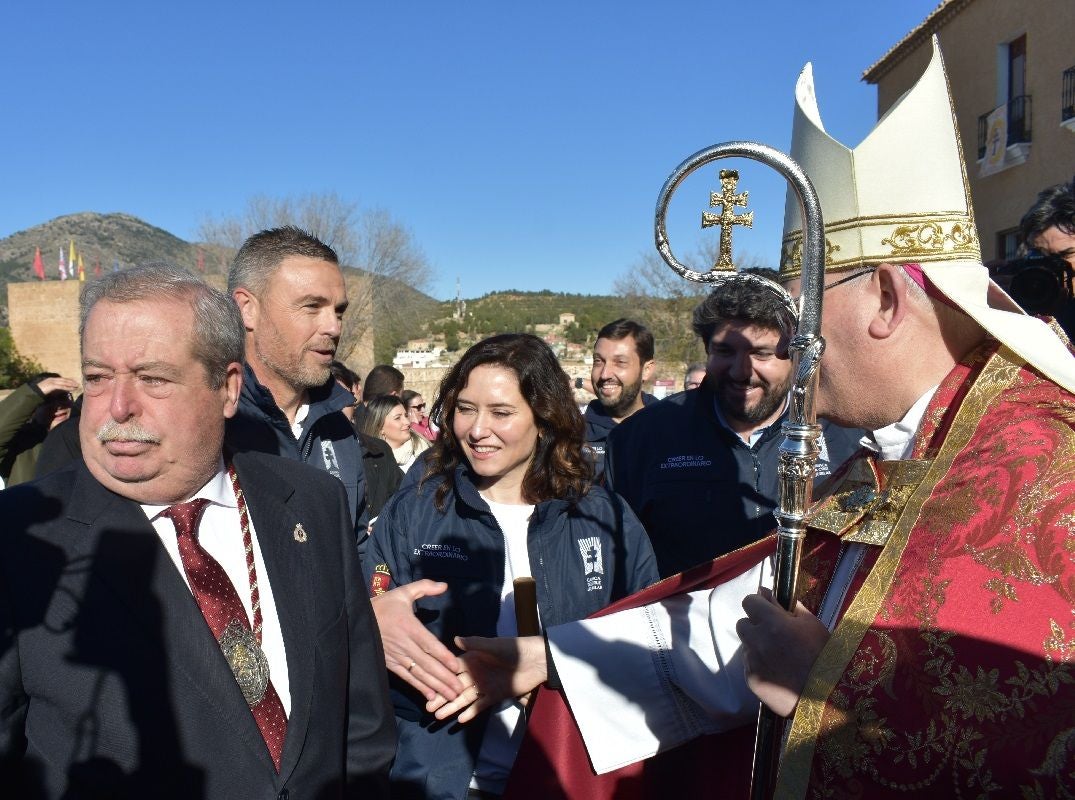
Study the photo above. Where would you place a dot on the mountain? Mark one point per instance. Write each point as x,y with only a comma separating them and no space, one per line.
400,312
108,238
98,237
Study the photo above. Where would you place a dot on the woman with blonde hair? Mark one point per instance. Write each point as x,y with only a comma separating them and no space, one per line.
386,418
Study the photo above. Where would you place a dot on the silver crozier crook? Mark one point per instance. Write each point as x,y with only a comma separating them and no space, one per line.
798,453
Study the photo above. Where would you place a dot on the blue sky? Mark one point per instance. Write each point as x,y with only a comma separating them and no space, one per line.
522,144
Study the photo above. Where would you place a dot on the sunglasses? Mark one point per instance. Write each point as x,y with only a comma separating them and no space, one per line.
419,407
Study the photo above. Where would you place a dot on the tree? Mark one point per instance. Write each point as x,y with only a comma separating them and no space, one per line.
665,301
576,334
393,265
15,369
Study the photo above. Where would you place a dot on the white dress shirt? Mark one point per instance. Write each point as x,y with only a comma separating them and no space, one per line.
220,533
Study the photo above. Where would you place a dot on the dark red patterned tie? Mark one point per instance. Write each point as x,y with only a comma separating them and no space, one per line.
220,604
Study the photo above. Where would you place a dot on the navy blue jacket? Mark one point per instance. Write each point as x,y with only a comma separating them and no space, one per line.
598,426
328,441
464,546
697,487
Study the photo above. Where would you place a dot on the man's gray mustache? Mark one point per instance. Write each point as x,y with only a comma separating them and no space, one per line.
113,431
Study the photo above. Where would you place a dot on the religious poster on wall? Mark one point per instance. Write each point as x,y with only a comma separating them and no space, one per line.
996,141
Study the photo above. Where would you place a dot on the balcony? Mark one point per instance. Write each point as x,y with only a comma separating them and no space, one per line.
1018,124
1067,100
1017,144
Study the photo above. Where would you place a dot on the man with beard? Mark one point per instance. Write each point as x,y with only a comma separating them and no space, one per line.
622,361
291,294
699,468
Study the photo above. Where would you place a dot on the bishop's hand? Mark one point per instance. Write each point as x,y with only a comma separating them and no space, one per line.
779,649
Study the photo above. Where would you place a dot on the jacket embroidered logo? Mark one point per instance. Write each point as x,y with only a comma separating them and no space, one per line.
328,452
592,562
452,551
682,462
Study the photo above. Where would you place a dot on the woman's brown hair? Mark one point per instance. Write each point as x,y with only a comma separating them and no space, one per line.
559,468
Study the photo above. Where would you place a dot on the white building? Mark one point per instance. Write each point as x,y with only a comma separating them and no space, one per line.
428,357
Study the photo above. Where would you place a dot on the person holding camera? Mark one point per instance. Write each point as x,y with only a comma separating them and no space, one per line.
1042,281
26,417
1049,225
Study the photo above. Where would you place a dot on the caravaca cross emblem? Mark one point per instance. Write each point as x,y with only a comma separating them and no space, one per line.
727,200
591,559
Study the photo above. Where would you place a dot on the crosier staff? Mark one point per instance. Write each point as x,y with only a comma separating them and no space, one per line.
798,453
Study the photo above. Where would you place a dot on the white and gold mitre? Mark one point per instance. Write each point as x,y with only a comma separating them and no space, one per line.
900,197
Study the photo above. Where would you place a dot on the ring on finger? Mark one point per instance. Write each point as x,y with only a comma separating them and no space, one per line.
412,665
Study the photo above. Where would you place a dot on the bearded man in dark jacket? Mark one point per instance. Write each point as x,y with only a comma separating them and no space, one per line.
622,362
291,294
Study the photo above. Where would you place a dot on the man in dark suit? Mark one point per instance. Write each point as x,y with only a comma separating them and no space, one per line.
175,622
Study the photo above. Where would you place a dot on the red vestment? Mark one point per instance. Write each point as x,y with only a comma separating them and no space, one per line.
950,672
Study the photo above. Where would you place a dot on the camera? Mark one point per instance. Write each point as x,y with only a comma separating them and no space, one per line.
1039,283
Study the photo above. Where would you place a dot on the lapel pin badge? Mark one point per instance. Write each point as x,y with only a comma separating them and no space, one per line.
299,533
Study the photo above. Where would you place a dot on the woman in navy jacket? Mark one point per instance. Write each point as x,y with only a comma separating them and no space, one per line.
506,493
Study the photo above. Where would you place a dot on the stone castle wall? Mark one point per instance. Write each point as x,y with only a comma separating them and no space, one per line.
44,324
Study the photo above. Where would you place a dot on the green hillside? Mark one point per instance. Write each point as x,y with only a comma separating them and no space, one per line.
513,311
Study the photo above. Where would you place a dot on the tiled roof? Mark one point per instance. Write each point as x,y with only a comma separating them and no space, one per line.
930,25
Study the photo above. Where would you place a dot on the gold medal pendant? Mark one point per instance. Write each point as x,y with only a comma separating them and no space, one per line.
247,661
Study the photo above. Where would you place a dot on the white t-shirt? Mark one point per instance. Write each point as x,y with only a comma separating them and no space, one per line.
504,734
301,413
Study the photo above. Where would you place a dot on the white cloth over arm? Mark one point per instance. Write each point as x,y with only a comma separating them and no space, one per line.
648,679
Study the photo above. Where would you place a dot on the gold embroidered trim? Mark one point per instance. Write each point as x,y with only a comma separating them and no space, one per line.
901,479
938,236
849,500
887,219
795,766
929,238
959,141
859,510
794,255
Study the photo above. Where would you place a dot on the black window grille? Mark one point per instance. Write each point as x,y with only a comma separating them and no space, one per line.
1018,124
1067,100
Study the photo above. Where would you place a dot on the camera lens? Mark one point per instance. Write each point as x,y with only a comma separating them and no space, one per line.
1036,290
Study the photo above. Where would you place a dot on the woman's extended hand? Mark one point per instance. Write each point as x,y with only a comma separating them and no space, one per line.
410,650
494,670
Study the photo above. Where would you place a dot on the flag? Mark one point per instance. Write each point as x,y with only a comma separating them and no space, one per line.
81,269
39,265
97,268
63,267
71,259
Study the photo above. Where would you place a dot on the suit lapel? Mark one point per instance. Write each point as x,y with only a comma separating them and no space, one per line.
292,576
127,556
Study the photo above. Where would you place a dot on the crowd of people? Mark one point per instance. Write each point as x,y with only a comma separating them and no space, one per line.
235,569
